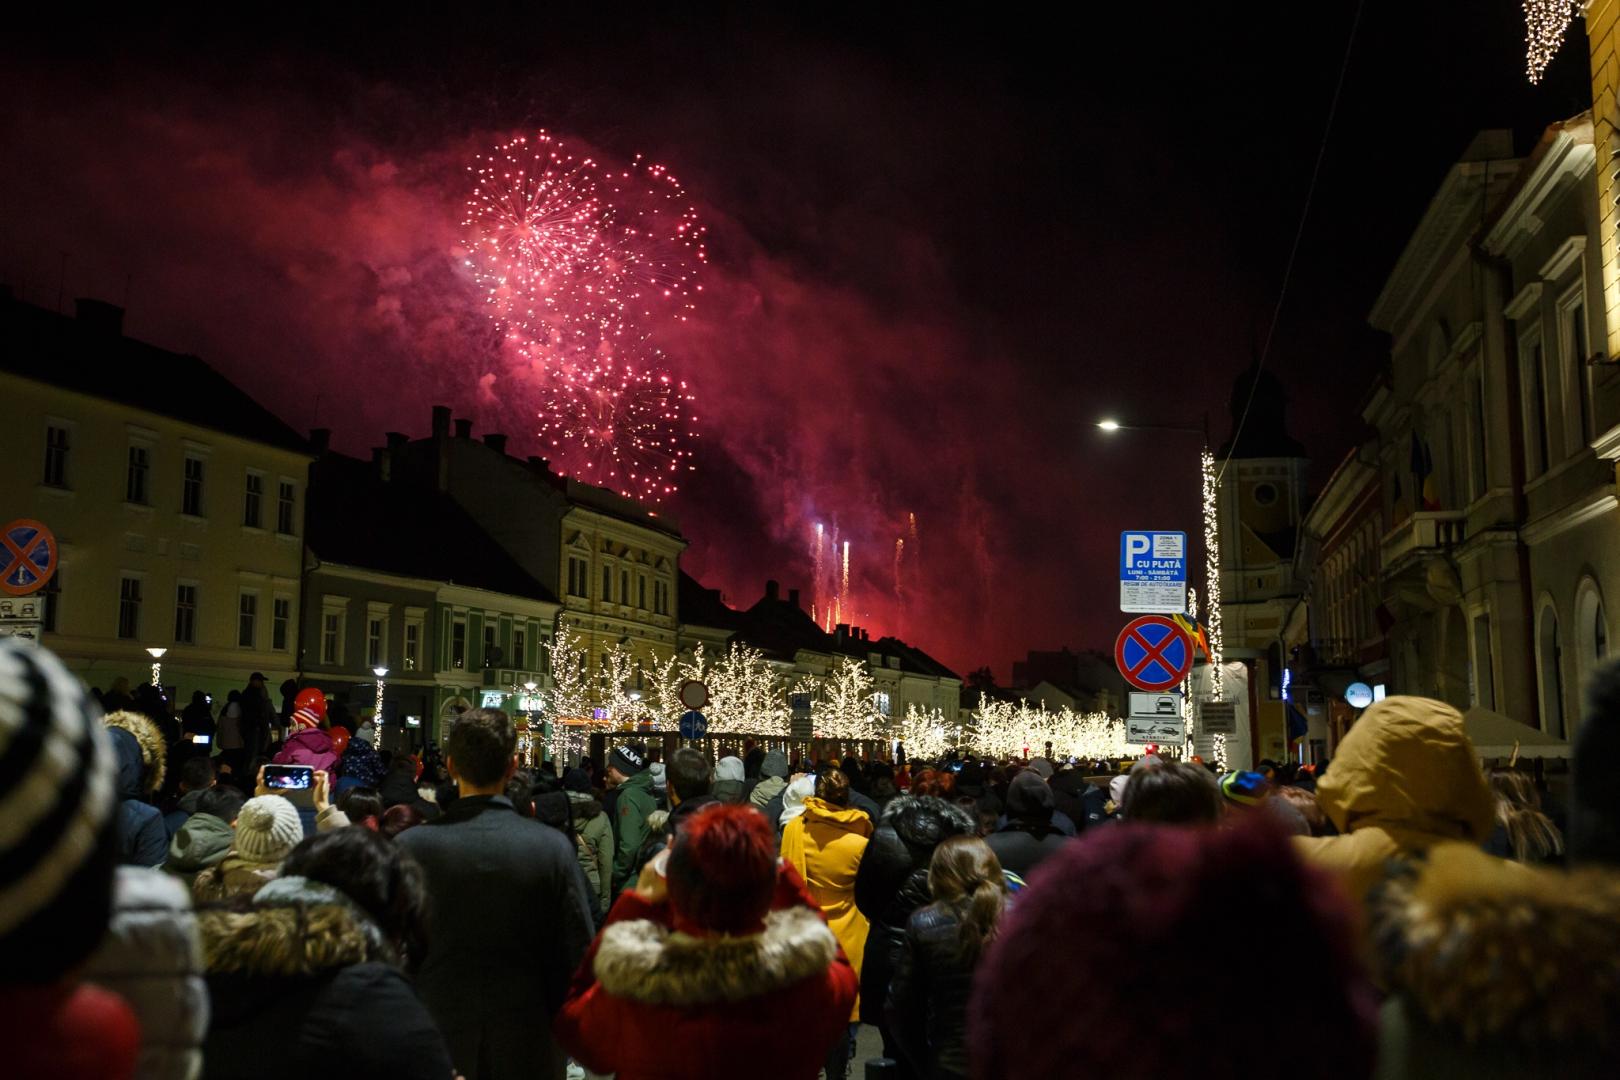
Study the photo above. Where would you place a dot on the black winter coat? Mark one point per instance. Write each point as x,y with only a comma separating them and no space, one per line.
1021,846
303,992
892,883
508,923
1081,801
927,1006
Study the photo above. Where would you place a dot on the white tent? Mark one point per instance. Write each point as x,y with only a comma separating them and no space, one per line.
1494,736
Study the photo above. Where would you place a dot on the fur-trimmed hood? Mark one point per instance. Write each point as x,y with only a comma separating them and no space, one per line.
922,821
1486,949
640,961
153,754
295,928
586,806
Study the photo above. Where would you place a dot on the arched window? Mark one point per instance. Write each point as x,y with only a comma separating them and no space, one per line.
1592,630
1550,672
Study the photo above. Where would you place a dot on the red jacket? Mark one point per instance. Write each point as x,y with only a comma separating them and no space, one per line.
647,1003
67,1031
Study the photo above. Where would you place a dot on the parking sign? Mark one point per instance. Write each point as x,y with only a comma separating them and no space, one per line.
1153,572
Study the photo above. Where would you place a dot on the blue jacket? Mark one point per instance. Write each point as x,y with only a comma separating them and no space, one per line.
142,838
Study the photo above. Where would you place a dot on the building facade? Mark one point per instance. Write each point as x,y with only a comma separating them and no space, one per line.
176,500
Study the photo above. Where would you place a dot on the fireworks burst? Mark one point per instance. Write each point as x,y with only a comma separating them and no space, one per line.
582,265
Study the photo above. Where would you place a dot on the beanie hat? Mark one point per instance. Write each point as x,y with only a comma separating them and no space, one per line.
629,758
56,815
1029,797
729,768
1244,788
722,870
775,764
576,780
267,829
305,717
1041,767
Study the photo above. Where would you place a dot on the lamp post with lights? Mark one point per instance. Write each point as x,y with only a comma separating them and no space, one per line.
381,673
156,654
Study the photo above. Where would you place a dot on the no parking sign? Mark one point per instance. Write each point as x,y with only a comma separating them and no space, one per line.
1153,653
29,554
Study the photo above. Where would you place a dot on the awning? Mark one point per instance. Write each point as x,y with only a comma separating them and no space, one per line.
1494,736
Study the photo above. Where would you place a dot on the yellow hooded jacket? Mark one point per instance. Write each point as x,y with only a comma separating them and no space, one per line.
1404,779
825,845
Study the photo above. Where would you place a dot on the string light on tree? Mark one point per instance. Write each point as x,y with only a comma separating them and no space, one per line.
381,673
1545,24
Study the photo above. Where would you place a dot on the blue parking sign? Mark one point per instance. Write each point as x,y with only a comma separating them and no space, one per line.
1153,572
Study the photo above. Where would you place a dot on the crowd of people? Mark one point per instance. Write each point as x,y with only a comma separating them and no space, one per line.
167,912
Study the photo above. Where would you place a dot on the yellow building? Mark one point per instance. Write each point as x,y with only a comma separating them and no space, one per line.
1603,41
174,497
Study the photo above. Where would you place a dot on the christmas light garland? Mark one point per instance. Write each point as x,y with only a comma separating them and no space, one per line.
1545,24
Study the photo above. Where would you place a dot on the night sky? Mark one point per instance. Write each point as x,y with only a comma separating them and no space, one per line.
942,245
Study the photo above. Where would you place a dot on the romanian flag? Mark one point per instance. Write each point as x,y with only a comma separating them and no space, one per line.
1423,473
1195,631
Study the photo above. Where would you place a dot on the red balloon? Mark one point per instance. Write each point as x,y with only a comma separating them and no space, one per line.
340,739
312,699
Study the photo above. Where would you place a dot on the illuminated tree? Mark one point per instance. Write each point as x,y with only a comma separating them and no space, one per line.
844,705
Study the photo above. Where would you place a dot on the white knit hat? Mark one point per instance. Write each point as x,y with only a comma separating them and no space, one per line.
57,764
730,768
267,829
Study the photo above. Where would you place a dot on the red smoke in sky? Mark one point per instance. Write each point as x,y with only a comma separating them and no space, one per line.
321,269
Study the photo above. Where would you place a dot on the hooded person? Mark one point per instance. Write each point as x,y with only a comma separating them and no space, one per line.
1110,902
1029,837
704,958
308,744
773,771
1404,778
359,767
60,851
825,843
310,979
793,799
892,883
1496,969
143,840
728,780
205,839
267,829
594,829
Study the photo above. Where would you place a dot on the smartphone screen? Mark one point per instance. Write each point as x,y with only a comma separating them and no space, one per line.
202,738
289,777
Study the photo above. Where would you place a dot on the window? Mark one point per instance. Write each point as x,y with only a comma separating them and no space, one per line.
247,619
413,645
1550,659
624,586
1575,342
191,491
520,648
491,653
332,638
253,500
1484,665
880,700
185,614
1265,494
458,643
641,591
129,608
52,595
607,584
280,616
1591,631
135,486
56,456
374,642
286,496
578,573
1537,444
1476,434
661,597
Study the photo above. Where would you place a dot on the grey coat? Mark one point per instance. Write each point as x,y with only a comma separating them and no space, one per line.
509,924
152,957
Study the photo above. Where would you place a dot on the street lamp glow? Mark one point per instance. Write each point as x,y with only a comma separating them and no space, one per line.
380,672
1108,425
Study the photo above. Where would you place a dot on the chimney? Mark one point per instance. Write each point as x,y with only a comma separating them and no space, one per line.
100,316
793,597
396,439
463,429
441,421
495,442
539,465
840,633
773,591
320,440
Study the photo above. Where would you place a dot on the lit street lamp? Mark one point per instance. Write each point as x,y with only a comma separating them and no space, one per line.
157,665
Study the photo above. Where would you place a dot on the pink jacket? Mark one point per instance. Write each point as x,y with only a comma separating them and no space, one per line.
312,747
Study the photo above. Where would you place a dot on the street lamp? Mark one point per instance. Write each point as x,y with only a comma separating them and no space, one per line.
381,673
157,665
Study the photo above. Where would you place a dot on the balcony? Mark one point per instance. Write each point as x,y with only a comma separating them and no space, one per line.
1421,535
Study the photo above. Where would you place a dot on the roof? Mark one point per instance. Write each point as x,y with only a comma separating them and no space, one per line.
90,355
354,518
1496,736
701,606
